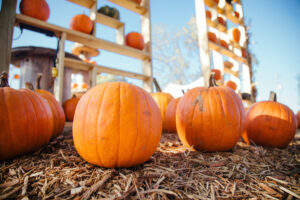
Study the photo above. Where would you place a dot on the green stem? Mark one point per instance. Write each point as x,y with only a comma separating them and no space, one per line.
212,80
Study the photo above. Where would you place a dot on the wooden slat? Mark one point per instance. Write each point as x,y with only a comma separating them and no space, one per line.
226,52
131,5
84,3
109,21
215,25
68,124
229,71
210,3
77,64
85,39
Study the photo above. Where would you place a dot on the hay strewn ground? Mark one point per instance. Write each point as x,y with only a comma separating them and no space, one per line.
173,172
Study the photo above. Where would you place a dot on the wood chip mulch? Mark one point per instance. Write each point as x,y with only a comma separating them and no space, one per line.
174,172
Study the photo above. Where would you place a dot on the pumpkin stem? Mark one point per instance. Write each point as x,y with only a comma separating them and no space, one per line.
273,96
38,81
212,80
4,80
29,86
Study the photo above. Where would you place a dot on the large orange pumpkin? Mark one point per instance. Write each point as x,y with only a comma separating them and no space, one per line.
35,8
81,23
170,116
210,119
231,84
270,124
116,124
212,37
162,99
235,35
218,75
135,40
69,107
26,121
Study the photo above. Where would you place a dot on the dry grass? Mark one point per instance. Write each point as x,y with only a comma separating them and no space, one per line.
173,172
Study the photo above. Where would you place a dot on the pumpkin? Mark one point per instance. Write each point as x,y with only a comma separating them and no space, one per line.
135,40
38,9
228,64
74,85
208,14
212,37
235,35
298,118
116,124
69,107
162,99
221,21
26,121
244,52
84,86
38,86
16,76
110,11
231,84
270,124
170,116
236,14
210,119
81,23
224,44
218,75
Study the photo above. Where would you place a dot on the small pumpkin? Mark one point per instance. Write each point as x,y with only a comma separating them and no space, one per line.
244,52
231,84
221,21
135,40
74,85
116,124
235,35
170,116
162,99
69,107
210,119
212,37
38,9
224,44
17,76
81,23
236,14
208,14
228,64
270,124
84,86
218,75
110,11
26,121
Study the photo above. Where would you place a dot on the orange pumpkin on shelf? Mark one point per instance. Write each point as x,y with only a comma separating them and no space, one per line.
170,116
231,84
217,74
228,64
74,86
207,122
116,124
135,40
224,44
212,37
244,52
236,14
235,35
270,124
81,23
38,9
208,14
69,107
84,86
221,21
16,76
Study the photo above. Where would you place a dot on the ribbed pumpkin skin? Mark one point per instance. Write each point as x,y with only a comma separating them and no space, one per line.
216,126
270,124
116,124
26,122
135,40
81,23
231,84
57,112
162,99
38,9
170,115
40,91
69,107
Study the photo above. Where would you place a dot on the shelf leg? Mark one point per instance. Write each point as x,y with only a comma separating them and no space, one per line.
93,76
58,87
120,35
218,63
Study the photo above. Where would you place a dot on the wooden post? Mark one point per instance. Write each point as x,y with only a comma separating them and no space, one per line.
120,35
7,20
203,40
146,32
93,16
218,63
93,76
58,88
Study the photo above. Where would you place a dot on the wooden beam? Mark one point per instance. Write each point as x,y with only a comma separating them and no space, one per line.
131,5
93,16
84,3
109,21
7,20
85,39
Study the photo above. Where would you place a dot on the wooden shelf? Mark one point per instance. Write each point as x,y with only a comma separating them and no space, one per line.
83,38
78,64
229,71
216,25
84,3
108,21
131,5
226,52
210,3
68,124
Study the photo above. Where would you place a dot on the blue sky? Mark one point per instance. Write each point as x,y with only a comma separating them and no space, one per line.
275,31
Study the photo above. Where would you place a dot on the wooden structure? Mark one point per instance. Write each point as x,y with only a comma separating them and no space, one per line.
91,40
212,54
